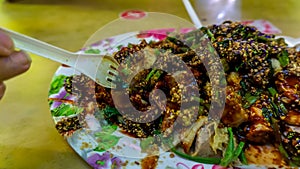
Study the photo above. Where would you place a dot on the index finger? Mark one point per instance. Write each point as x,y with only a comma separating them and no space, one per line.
6,45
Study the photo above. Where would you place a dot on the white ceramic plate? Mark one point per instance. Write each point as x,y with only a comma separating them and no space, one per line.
121,151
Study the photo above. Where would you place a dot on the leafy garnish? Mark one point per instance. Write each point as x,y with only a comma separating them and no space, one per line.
66,110
206,160
106,139
231,154
110,112
92,51
283,58
272,91
249,100
146,143
56,84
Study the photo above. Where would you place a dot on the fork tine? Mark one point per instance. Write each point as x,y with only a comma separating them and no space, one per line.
110,84
112,61
114,65
113,72
107,72
111,78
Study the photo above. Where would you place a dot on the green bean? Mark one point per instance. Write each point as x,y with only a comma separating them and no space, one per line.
230,146
234,156
250,100
283,108
276,110
211,35
243,158
150,74
229,150
283,58
206,160
272,91
238,150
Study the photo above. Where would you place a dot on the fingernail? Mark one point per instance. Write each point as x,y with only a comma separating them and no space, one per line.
4,51
21,57
6,44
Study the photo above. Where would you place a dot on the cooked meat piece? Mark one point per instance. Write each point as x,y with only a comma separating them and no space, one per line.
188,135
220,139
234,114
203,141
293,118
288,88
266,155
259,130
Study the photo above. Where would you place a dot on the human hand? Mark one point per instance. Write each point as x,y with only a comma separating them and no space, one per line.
12,62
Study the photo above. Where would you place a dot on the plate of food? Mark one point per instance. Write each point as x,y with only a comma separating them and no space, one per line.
259,115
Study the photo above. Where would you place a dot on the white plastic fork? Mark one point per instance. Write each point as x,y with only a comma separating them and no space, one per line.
101,68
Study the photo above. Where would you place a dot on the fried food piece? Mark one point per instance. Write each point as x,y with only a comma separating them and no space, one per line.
264,155
259,131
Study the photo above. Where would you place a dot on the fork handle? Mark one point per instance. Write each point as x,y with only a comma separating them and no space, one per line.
41,48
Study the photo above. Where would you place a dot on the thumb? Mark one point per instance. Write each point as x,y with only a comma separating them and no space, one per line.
14,64
2,89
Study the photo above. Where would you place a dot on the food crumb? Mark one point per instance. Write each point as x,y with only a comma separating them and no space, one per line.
85,145
125,163
150,162
172,155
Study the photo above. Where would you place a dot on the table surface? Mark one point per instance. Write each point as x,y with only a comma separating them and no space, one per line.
28,138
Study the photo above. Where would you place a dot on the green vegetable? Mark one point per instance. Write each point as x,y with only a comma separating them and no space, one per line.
231,154
229,150
283,58
157,75
66,110
110,112
106,142
105,138
264,39
171,39
56,84
243,158
150,74
92,51
198,99
237,68
211,48
146,143
206,160
249,100
119,47
234,156
272,91
238,151
276,110
108,129
157,52
210,34
130,45
275,127
283,151
283,108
